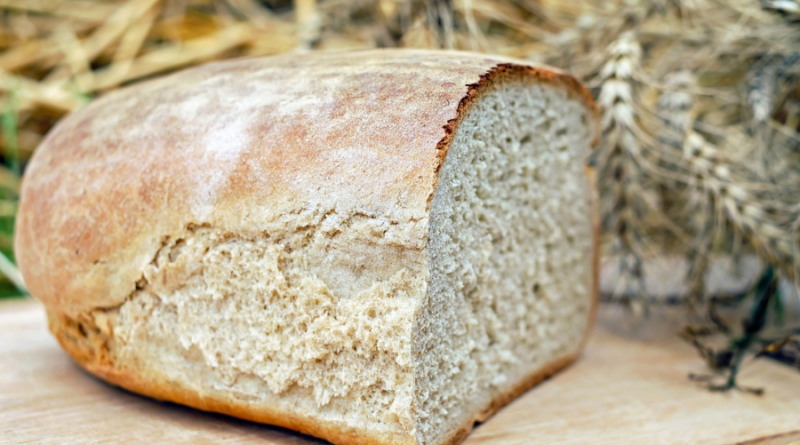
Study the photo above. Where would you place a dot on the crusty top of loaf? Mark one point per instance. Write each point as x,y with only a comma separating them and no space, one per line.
233,145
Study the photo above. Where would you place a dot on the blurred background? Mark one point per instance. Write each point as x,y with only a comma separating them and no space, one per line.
699,166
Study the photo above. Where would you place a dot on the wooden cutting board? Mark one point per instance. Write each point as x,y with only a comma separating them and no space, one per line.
624,390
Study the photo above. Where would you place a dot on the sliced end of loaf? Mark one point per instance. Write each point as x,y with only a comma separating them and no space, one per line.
511,248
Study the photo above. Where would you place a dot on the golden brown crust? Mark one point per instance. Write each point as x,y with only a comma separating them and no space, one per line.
234,145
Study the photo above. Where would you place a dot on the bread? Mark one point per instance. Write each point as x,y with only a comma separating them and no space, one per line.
380,247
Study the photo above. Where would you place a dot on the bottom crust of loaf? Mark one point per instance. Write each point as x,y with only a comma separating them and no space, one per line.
504,398
100,365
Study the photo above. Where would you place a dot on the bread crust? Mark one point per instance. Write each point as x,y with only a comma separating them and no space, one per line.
234,145
92,361
95,363
87,226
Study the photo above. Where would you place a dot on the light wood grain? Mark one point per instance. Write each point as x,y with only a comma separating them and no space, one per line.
624,390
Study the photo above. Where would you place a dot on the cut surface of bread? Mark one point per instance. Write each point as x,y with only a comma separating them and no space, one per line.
380,247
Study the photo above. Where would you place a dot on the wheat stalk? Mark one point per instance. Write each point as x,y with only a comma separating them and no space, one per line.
617,158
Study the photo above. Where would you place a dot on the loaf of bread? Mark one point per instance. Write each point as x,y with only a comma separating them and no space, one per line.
379,247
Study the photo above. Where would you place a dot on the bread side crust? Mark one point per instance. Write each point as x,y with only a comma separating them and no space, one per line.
129,379
115,179
95,358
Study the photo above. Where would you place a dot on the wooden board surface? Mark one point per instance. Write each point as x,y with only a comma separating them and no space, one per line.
624,390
